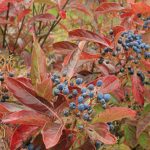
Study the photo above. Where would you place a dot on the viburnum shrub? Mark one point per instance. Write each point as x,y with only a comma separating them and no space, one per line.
74,75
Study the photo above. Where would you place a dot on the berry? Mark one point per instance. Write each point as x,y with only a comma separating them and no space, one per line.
56,92
1,78
99,96
131,71
107,97
5,97
80,99
102,101
90,87
86,106
121,69
79,81
60,86
83,90
30,146
98,144
80,127
11,74
64,73
75,92
66,91
101,59
57,81
70,96
99,83
111,127
66,113
84,94
120,41
72,105
70,136
91,94
111,32
104,105
86,117
3,100
81,107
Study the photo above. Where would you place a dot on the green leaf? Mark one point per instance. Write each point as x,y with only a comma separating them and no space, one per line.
146,108
130,135
144,140
38,65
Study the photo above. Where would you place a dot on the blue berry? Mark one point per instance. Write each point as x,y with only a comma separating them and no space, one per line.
99,83
60,86
30,147
66,91
83,90
84,94
86,106
80,99
91,94
90,87
66,113
56,91
72,105
86,117
99,96
57,81
80,127
98,144
104,105
102,101
81,107
107,97
75,92
64,73
79,81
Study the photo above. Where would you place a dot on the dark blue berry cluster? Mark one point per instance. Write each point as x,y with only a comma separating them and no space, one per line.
146,24
80,100
129,40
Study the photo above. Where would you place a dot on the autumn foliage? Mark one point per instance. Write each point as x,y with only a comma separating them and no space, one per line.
74,75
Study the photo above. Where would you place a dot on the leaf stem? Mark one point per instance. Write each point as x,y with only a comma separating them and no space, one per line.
5,30
54,24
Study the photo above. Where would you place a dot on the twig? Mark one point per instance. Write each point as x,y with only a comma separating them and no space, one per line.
5,30
53,25
19,33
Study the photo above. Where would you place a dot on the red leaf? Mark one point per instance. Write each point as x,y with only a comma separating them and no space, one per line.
26,117
72,59
109,7
80,7
42,17
22,133
22,14
114,113
85,55
3,8
62,14
10,107
25,95
44,89
38,66
100,132
89,36
118,29
64,47
51,134
142,124
137,89
140,7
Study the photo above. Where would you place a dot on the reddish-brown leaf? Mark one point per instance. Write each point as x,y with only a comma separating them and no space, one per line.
102,134
85,55
109,7
140,7
118,29
10,107
72,59
51,134
22,133
44,89
114,113
137,89
25,95
146,36
26,117
89,36
42,17
142,124
38,66
22,14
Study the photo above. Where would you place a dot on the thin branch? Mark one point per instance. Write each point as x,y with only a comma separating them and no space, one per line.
5,30
53,25
19,33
